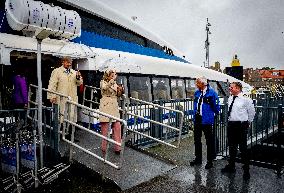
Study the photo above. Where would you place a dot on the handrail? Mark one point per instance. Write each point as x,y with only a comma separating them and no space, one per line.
90,101
39,117
92,87
150,120
162,124
48,91
123,109
97,111
155,105
71,142
53,92
92,94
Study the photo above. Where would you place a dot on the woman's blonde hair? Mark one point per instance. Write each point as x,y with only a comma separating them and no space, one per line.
107,74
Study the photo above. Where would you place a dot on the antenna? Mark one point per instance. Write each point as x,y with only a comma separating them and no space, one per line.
207,43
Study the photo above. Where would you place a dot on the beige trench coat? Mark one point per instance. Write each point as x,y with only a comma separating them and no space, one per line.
108,102
66,84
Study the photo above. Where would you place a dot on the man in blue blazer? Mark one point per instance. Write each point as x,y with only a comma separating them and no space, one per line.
206,106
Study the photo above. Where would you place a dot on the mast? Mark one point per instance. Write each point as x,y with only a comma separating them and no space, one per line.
207,43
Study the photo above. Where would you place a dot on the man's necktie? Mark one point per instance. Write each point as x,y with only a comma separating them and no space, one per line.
231,106
199,103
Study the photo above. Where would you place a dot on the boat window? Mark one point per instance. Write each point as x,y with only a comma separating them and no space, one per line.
178,89
161,88
140,88
190,88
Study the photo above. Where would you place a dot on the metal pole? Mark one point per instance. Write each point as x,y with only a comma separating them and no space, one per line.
226,98
2,88
56,131
35,163
19,187
207,43
280,127
39,96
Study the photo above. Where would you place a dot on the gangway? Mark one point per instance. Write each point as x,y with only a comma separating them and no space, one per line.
129,168
69,122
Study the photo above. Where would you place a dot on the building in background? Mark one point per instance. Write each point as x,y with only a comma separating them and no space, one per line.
216,67
252,77
263,78
236,70
272,77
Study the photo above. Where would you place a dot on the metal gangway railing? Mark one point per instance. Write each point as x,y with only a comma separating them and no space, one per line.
51,133
33,98
165,116
266,133
19,158
92,101
61,98
98,155
143,111
138,112
68,120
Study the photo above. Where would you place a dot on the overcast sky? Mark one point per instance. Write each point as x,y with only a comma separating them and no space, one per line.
252,29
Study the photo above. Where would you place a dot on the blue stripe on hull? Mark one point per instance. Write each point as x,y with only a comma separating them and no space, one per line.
99,41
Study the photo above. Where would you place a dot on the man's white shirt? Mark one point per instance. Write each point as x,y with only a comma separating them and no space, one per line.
243,108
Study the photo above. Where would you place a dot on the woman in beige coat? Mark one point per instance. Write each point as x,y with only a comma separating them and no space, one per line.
109,105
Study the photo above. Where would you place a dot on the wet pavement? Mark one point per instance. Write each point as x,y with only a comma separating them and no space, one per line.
186,178
197,179
182,178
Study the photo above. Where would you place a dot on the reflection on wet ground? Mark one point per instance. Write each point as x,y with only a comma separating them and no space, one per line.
182,178
185,178
197,179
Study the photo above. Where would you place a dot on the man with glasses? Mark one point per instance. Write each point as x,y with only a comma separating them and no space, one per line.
206,106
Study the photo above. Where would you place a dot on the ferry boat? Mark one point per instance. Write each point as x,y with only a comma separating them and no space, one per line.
145,63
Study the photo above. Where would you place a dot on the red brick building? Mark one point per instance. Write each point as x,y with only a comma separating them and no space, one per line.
263,78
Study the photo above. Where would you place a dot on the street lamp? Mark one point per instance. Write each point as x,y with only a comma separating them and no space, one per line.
207,43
